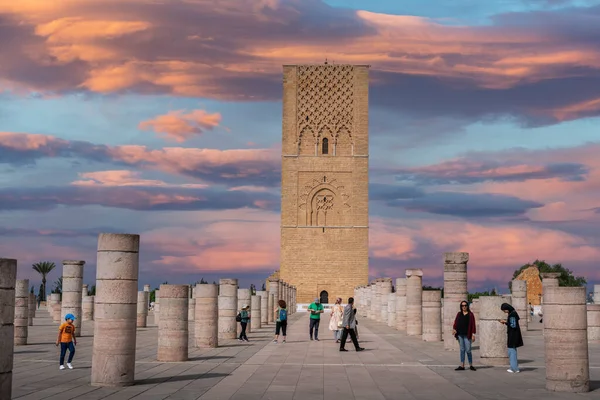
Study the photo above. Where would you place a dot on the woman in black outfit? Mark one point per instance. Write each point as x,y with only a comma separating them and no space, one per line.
514,337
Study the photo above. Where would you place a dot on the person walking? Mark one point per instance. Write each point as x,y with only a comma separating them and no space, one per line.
66,339
280,320
349,324
335,322
315,309
514,339
464,330
244,317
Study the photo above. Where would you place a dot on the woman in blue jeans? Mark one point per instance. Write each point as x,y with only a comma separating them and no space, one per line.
464,330
514,338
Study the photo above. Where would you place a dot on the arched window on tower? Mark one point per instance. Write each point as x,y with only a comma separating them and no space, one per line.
325,148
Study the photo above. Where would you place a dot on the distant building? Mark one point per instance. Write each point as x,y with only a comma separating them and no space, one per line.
531,275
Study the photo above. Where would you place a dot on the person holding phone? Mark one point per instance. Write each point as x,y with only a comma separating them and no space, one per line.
514,338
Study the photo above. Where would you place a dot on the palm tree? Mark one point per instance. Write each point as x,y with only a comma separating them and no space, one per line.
44,268
58,286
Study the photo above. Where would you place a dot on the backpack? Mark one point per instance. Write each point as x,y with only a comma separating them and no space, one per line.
238,318
282,315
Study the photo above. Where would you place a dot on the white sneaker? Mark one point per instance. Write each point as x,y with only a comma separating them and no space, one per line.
69,365
61,367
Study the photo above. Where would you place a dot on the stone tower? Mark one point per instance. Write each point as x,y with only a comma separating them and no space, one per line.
325,180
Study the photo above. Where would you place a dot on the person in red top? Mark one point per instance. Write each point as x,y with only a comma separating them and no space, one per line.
464,330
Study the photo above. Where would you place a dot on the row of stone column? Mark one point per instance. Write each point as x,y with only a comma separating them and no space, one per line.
279,290
118,309
568,323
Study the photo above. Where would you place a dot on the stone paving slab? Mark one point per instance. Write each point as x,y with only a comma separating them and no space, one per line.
393,366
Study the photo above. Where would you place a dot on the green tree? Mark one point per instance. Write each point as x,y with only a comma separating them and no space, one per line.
92,290
58,285
566,277
44,268
476,295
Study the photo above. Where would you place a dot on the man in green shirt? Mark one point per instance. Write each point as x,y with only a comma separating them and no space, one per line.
315,309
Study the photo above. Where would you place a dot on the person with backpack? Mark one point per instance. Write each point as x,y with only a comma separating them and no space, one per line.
243,317
281,320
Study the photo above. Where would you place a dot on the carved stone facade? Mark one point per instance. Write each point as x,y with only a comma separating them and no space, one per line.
324,206
534,284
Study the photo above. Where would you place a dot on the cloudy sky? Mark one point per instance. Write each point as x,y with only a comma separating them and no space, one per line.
163,118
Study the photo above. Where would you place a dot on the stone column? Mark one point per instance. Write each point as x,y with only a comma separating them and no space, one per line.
117,268
84,291
147,289
227,308
596,294
280,289
391,310
414,302
432,315
264,306
243,299
173,328
8,277
455,291
56,307
519,302
192,305
255,315
156,307
71,291
21,311
475,307
549,279
142,310
31,309
593,322
492,334
294,309
273,292
283,295
271,312
401,304
565,339
368,301
87,308
206,320
385,290
378,292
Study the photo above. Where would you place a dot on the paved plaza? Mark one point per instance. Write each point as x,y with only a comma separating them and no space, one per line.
393,366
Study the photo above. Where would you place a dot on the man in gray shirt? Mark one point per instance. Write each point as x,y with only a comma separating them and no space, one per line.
349,324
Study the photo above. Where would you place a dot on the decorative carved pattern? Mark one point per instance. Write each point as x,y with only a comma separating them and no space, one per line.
325,101
324,202
318,200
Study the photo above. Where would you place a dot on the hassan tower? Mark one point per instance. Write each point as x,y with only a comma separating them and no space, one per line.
325,180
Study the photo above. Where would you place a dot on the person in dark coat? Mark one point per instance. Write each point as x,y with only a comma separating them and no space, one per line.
513,333
464,330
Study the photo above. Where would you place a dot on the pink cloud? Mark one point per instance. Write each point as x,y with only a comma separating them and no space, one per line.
126,178
179,126
233,164
219,246
495,250
190,49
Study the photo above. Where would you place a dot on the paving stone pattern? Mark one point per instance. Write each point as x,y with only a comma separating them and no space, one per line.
393,366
